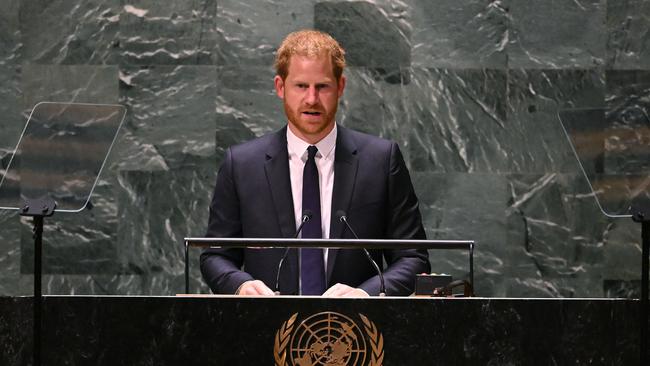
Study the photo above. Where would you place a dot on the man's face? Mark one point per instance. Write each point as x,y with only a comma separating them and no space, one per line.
310,94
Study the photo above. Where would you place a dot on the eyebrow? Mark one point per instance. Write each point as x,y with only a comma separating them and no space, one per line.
324,82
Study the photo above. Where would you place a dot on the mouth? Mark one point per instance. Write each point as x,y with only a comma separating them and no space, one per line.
312,113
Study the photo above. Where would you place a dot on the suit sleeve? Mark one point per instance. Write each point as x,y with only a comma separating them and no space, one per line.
403,221
221,268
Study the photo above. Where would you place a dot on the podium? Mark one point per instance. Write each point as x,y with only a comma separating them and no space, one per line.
232,330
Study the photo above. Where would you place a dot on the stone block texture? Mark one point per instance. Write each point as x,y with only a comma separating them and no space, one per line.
471,90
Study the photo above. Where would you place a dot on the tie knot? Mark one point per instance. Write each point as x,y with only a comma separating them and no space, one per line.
311,151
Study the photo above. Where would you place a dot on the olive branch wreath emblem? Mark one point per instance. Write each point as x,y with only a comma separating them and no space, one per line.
376,341
283,335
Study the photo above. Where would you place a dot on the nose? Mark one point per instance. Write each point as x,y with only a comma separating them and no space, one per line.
312,95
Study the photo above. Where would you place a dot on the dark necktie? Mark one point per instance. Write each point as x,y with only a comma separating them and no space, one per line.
312,267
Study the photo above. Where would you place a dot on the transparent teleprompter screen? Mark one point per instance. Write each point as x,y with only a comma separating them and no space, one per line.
613,149
60,154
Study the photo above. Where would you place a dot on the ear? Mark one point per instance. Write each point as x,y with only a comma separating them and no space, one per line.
341,85
279,86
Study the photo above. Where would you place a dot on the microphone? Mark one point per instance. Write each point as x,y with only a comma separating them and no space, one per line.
382,288
306,216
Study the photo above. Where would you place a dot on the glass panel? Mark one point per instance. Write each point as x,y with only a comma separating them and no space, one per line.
60,154
613,148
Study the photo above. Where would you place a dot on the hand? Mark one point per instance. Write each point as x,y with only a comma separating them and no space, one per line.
254,288
341,290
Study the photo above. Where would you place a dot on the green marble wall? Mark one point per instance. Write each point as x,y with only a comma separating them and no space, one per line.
470,89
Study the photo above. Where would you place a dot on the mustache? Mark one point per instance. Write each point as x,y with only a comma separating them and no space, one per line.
318,109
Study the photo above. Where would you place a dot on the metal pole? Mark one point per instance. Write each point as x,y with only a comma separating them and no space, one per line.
187,269
471,264
38,297
645,253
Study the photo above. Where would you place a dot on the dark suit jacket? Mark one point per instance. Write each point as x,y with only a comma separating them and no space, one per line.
252,199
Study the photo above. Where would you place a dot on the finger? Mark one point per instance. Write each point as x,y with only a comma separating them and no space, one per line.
346,291
355,292
330,291
246,288
255,288
262,289
338,290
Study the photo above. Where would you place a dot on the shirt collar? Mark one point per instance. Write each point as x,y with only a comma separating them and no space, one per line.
298,147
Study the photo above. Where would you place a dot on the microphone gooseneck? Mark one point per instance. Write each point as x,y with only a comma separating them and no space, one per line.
343,218
306,216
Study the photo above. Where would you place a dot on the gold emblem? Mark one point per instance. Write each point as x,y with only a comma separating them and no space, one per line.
328,339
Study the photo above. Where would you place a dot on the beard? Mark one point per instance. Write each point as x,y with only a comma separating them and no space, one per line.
306,127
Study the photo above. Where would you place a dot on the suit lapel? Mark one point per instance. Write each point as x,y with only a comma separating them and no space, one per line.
345,172
278,176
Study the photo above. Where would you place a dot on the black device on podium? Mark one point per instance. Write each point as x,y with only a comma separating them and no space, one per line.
612,147
54,168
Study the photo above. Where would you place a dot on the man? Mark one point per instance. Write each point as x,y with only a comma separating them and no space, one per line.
265,186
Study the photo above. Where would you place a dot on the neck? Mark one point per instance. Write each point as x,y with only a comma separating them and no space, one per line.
311,139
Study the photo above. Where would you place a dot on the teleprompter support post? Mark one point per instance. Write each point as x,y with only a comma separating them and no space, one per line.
38,209
641,214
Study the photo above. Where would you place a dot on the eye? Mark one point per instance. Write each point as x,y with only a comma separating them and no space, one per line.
322,86
302,86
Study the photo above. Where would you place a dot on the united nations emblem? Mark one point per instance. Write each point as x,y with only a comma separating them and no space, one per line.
328,339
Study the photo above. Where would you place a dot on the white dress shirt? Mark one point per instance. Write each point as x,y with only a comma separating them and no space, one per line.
297,149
